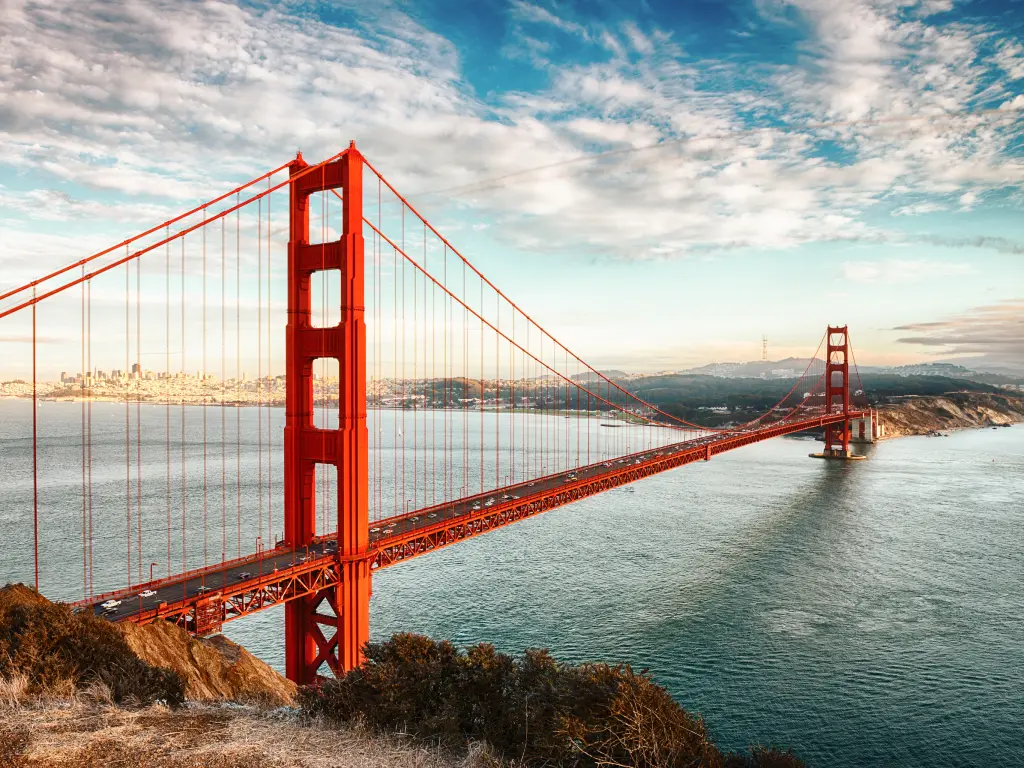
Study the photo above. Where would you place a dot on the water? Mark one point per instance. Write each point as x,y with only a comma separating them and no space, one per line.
864,614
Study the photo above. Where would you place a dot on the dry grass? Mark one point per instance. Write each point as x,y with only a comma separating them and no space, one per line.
13,691
84,733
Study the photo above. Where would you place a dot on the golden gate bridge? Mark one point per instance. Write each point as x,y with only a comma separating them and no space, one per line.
477,416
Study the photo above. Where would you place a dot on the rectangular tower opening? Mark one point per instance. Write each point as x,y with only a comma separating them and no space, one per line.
325,298
326,371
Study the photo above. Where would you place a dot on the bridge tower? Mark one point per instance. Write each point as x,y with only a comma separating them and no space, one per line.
307,646
837,392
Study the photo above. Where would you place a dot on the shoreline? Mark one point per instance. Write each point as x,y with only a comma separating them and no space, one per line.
913,416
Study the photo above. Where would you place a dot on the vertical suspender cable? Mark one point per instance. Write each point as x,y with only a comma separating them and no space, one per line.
35,451
88,294
259,363
184,552
483,389
138,418
401,446
223,397
167,388
238,373
202,383
127,425
415,370
497,401
394,383
85,545
270,411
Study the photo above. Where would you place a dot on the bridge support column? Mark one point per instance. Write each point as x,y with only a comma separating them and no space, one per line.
837,394
313,636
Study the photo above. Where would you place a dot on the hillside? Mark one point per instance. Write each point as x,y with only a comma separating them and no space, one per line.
717,401
956,410
76,690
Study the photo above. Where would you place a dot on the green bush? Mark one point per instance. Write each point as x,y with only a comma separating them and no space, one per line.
531,708
56,648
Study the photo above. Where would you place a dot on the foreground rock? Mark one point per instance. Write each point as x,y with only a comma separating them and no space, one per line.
214,669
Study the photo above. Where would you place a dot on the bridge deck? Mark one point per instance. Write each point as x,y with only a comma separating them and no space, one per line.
203,599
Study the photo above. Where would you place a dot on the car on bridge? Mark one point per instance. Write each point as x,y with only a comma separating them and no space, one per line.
147,593
110,604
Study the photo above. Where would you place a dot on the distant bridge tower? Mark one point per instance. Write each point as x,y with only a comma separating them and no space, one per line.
307,647
837,392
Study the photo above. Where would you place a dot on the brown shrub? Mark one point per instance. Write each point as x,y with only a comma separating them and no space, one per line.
532,708
55,649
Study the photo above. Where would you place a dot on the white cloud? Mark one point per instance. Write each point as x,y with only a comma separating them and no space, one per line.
901,271
917,209
171,100
1010,57
637,39
532,13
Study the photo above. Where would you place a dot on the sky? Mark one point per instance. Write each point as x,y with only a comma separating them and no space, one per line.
659,183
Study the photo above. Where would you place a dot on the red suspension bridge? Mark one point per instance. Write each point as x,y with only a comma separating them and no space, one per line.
422,407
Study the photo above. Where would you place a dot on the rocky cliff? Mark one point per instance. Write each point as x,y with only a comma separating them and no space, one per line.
214,668
954,410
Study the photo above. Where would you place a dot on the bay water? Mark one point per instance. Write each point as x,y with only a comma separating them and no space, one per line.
867,613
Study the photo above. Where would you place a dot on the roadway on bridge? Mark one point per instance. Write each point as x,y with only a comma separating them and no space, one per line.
212,581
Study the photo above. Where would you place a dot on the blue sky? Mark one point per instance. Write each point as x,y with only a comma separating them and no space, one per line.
673,179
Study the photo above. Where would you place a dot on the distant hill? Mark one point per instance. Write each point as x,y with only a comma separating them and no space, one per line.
590,376
721,400
792,367
789,368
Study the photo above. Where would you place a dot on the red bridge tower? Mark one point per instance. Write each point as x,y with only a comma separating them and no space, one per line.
837,392
307,646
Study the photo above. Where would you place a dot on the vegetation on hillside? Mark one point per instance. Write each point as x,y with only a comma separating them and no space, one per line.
497,709
690,396
532,709
56,652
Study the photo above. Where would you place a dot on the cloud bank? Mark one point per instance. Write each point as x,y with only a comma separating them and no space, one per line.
159,102
988,337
